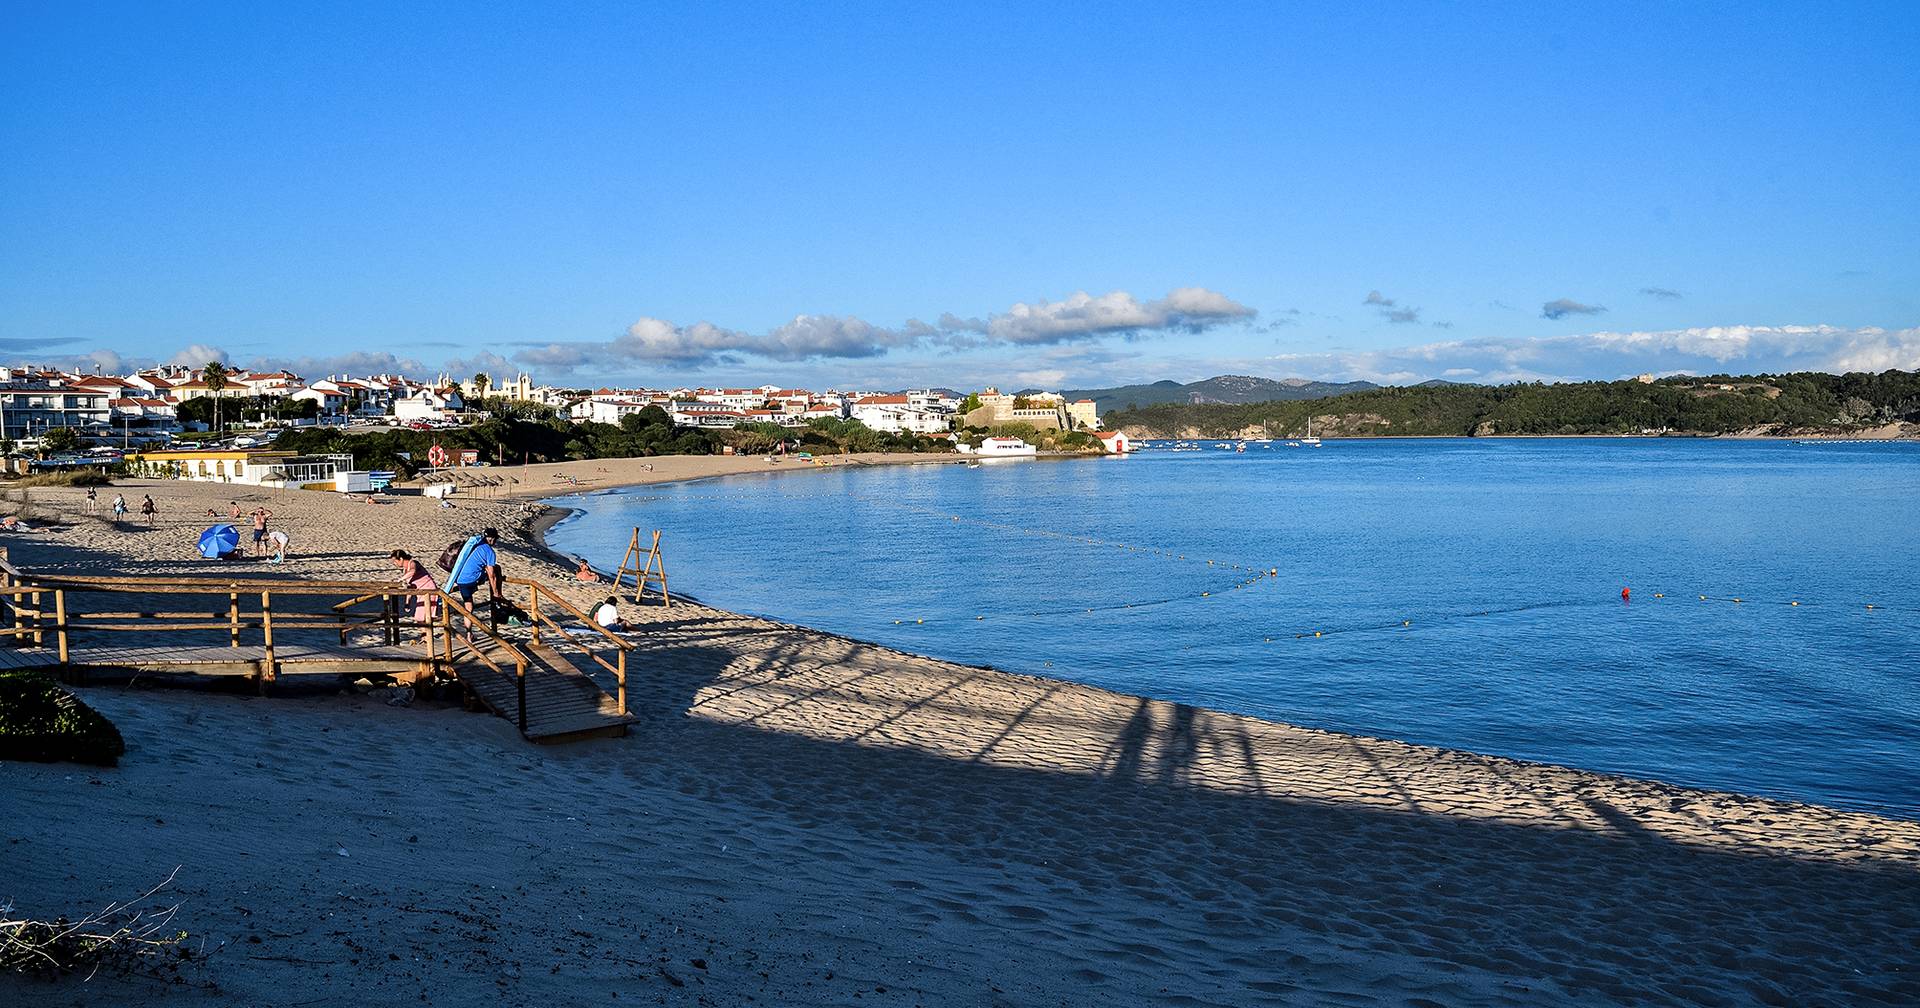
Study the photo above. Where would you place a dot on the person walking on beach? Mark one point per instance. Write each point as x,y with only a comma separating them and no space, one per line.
414,574
119,506
259,515
93,500
149,508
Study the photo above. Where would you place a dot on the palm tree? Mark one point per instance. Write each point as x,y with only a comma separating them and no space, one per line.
481,382
215,375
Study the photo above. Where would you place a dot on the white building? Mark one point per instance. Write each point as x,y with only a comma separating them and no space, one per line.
32,406
429,404
608,409
706,414
895,414
331,398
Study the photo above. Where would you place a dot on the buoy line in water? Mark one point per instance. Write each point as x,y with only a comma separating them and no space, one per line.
1258,572
1419,621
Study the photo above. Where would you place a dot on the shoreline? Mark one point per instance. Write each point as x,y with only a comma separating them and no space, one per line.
811,818
535,528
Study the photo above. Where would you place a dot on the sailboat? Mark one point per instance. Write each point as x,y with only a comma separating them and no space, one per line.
1310,440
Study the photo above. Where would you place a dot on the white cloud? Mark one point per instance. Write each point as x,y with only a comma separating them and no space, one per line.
1610,355
1082,316
1189,309
199,355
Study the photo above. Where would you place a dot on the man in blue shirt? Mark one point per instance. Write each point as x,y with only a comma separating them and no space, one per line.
477,561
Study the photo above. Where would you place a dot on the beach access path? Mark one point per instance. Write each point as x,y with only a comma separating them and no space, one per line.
799,818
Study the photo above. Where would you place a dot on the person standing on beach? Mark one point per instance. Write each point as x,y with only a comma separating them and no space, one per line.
93,500
477,561
149,508
119,506
259,515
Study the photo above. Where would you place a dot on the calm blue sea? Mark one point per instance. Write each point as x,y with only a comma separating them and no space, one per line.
1460,593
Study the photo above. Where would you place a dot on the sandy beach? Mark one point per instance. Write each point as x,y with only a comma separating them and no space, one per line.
803,819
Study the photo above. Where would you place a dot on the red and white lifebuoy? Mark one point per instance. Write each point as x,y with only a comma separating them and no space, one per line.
436,456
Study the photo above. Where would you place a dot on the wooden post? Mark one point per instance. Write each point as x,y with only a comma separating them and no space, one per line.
268,674
233,619
60,621
621,678
630,564
533,608
520,683
39,619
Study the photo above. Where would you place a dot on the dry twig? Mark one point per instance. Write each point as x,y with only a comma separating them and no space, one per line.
119,933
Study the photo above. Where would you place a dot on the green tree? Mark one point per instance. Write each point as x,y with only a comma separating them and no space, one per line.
215,375
59,440
481,382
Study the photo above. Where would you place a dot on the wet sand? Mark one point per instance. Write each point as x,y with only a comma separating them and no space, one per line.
805,819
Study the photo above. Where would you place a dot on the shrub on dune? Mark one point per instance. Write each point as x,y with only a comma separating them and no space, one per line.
41,721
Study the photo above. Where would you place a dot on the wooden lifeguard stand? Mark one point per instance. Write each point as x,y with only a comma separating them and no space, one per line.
647,567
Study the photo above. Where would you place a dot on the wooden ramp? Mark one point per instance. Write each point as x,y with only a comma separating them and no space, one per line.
563,702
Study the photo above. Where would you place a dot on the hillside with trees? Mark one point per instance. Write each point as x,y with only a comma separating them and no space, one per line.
1801,403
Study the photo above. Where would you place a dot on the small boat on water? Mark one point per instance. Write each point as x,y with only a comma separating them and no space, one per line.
1310,441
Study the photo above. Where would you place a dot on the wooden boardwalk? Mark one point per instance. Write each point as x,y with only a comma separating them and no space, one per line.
248,661
563,703
100,628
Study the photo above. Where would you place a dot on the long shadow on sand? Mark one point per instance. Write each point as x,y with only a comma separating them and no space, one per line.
1281,893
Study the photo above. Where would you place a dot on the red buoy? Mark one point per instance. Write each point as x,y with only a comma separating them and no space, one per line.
1626,594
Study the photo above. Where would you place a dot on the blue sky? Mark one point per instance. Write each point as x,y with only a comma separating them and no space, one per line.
1085,194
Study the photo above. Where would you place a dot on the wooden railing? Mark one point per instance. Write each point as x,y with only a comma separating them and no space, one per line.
25,599
539,594
449,607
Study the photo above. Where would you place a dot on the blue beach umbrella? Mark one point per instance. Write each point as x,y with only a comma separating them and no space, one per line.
218,541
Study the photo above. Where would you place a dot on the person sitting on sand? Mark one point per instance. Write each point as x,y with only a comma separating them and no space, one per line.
608,615
585,573
233,510
415,575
